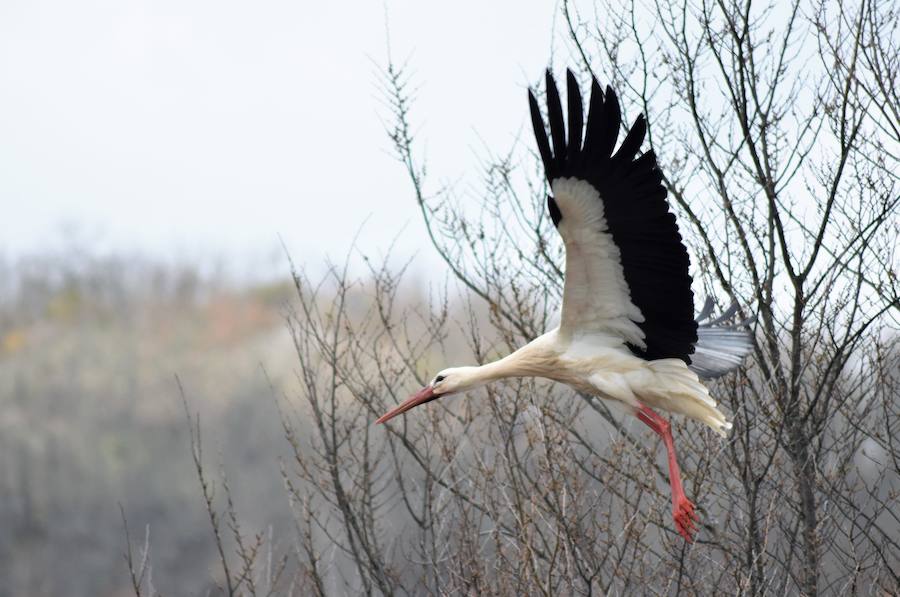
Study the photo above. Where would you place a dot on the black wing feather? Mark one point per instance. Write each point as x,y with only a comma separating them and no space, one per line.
576,115
632,141
553,208
612,117
555,115
595,121
540,134
654,259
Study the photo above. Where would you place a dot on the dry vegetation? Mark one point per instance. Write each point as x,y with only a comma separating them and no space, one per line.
89,415
776,127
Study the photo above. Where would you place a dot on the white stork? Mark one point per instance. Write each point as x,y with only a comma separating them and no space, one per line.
627,329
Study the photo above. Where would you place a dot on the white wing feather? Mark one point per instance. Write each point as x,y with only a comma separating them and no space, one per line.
596,298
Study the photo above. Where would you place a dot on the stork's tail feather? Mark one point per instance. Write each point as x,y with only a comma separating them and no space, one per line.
677,389
720,347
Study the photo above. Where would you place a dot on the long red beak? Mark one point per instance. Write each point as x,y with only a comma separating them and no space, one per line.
421,397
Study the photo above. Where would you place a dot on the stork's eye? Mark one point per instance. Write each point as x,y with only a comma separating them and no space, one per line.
439,379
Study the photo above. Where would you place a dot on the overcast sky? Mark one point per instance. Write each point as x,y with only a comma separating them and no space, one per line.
206,128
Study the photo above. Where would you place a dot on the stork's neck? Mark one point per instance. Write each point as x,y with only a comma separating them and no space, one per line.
506,367
533,359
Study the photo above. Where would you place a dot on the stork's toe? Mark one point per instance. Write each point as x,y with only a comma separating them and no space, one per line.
685,519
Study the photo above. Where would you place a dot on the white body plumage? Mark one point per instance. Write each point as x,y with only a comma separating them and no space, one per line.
598,365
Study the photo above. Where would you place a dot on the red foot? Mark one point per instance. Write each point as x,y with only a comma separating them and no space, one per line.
685,519
682,508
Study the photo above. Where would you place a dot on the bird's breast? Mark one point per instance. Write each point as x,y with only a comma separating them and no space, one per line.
591,367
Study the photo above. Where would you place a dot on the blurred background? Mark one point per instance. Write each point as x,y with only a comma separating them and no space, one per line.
154,156
302,209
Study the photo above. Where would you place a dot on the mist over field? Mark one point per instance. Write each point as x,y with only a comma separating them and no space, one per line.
91,416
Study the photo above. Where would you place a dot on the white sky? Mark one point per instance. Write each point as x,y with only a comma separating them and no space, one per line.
208,128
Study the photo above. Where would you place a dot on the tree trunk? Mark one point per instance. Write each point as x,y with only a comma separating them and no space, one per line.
805,472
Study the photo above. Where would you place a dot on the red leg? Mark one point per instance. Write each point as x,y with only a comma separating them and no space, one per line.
682,508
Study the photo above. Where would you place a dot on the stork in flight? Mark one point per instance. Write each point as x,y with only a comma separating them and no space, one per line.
627,331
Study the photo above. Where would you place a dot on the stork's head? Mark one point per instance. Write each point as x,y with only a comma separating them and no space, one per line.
448,381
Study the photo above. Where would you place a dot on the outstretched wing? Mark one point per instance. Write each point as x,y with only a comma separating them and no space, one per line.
626,266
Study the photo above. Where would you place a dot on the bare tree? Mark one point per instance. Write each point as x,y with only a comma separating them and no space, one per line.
776,128
780,141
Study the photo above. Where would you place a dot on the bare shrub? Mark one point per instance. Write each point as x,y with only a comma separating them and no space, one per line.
776,129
